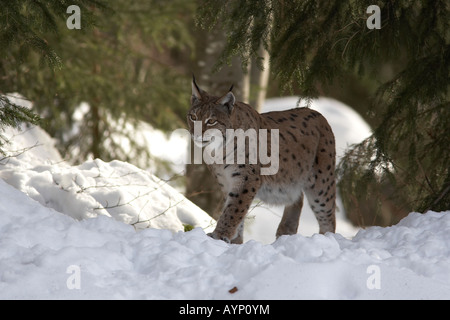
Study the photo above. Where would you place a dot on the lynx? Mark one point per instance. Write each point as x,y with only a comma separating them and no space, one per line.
307,159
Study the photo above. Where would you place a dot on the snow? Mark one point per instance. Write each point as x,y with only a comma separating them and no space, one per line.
116,189
42,253
71,232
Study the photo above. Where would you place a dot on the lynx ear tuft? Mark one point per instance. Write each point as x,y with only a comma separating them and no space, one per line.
196,91
228,101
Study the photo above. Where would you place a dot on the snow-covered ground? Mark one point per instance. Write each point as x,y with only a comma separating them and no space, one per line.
113,231
48,255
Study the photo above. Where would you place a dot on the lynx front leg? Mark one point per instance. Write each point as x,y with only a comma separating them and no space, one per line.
239,239
230,225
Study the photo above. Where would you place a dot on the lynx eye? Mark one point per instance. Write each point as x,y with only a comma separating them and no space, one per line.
211,122
192,117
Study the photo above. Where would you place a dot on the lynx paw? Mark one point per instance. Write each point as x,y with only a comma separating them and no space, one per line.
217,237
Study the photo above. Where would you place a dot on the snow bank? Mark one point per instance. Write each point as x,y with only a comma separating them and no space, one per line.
116,189
48,255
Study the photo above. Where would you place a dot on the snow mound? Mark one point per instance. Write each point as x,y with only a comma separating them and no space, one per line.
116,189
47,255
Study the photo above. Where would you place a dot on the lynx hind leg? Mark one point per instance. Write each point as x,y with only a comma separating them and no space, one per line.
322,200
291,216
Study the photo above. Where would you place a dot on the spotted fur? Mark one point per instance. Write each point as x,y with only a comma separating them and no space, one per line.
306,163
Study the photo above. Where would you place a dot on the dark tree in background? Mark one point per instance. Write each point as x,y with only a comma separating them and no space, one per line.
318,45
128,61
22,25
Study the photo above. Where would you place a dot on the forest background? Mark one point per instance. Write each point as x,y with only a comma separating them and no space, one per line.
133,61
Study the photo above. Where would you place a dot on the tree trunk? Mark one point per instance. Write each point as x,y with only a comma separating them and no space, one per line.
259,80
219,82
95,131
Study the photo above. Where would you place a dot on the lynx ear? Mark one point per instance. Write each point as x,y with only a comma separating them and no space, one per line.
196,91
228,101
